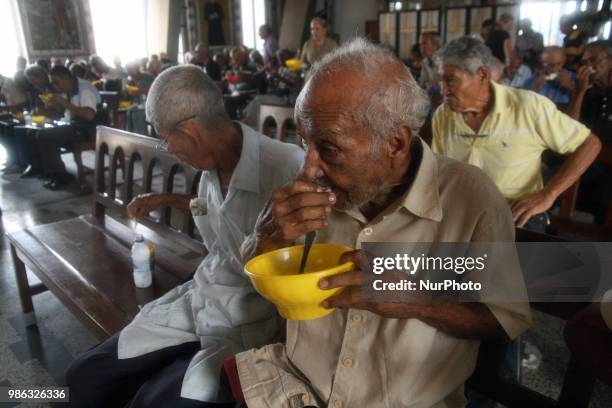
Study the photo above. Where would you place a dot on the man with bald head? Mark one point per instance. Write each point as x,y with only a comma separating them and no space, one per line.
553,81
368,176
170,355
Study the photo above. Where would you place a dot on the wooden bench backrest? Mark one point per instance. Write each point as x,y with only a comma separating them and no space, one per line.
280,115
123,150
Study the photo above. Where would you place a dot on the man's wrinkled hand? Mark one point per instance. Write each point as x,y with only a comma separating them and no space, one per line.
583,78
532,204
142,205
565,80
299,208
352,295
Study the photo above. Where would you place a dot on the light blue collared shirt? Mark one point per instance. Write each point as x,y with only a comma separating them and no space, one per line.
219,306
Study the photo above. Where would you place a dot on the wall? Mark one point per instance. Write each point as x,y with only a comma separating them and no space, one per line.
349,20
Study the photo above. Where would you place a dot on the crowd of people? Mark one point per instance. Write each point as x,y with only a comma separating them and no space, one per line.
364,175
554,72
239,73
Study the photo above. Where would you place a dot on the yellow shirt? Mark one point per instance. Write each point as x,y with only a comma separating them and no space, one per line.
509,144
354,358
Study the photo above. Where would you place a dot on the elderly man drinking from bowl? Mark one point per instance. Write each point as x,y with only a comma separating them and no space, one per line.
359,115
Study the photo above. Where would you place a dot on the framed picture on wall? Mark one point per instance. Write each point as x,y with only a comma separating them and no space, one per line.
54,28
215,22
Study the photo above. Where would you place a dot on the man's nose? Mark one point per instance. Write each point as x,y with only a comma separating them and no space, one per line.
312,165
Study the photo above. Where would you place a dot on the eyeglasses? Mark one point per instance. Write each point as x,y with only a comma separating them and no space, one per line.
162,145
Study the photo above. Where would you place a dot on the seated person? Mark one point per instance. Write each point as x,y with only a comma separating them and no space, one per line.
318,45
170,355
36,84
242,72
360,122
80,101
141,82
114,79
504,131
284,84
256,60
516,74
77,70
553,81
220,60
592,105
202,59
38,79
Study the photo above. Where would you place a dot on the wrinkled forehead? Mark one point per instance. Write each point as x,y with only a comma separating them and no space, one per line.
330,100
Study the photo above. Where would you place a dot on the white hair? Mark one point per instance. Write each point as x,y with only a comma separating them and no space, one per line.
391,101
183,92
466,53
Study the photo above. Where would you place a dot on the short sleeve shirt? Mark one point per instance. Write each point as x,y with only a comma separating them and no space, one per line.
355,358
509,144
86,97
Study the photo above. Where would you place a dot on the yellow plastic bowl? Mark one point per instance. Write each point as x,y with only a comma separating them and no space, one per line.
46,98
131,90
294,64
38,119
297,297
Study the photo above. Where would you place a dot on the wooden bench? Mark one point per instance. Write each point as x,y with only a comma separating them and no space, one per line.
86,262
279,116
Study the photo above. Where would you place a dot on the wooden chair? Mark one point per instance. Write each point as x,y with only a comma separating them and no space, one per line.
280,116
85,261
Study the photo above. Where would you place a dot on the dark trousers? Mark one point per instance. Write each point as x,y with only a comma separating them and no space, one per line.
48,145
99,379
24,146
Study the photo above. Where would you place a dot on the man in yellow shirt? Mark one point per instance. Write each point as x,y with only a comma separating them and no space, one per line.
504,131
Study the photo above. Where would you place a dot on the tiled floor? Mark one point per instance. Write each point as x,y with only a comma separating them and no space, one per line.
39,355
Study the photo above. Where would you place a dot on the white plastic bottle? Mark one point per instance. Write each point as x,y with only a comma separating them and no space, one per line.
141,263
27,118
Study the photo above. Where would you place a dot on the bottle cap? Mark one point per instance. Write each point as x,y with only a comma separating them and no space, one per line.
139,238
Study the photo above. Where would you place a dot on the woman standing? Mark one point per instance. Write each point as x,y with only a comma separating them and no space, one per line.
318,45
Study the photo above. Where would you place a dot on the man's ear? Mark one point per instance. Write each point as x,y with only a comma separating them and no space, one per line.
483,74
399,143
190,129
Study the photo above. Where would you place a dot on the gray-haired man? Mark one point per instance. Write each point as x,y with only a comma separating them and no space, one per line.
171,353
504,131
360,114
